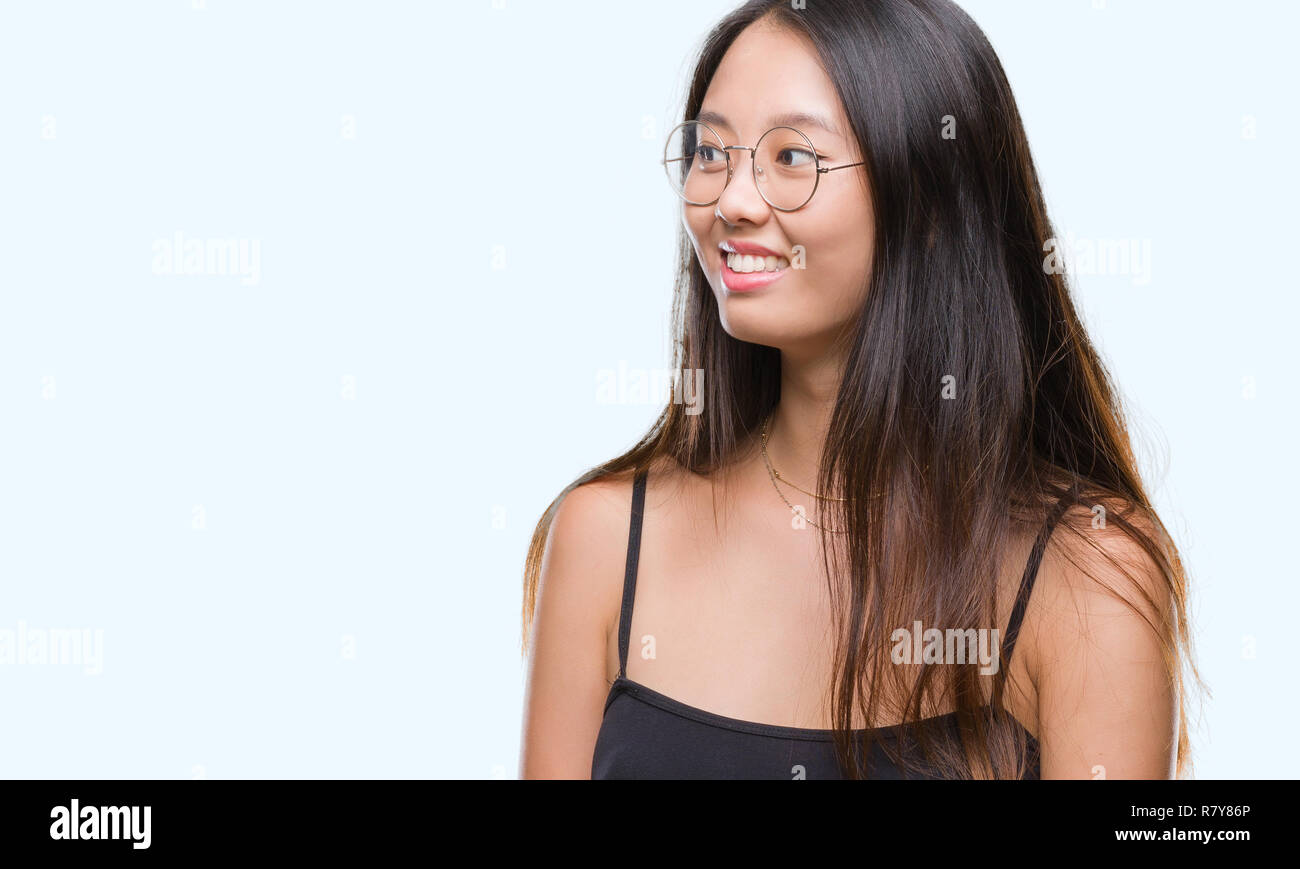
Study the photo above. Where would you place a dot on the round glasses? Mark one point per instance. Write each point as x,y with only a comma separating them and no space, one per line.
785,165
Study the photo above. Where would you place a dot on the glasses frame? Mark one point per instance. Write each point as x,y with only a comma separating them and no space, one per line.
753,165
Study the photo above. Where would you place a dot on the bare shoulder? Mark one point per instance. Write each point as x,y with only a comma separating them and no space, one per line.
577,598
586,546
607,502
1101,623
590,527
593,507
1096,567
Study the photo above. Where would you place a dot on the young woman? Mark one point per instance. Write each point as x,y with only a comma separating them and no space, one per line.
909,465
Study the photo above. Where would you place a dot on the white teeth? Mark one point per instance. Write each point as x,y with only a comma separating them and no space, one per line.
745,263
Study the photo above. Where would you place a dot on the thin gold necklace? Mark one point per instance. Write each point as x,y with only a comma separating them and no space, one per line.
775,475
778,476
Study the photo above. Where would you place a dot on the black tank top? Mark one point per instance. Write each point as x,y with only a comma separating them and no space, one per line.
648,735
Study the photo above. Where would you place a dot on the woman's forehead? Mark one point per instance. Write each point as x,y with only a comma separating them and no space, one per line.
771,77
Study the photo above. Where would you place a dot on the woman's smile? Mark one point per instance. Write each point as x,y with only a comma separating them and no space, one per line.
746,267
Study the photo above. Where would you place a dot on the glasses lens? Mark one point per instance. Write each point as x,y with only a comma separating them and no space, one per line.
696,163
785,166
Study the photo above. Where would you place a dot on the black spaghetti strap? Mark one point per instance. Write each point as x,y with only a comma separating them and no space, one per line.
629,576
1027,581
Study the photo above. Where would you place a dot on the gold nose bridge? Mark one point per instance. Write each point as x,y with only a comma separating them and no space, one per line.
755,168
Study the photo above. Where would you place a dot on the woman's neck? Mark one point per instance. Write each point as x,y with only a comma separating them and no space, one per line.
797,432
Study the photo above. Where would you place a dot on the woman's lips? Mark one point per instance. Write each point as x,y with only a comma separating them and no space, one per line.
736,282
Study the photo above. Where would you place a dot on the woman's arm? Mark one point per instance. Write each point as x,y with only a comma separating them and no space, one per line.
578,600
1107,706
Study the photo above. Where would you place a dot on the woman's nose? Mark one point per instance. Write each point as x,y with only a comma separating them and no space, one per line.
740,199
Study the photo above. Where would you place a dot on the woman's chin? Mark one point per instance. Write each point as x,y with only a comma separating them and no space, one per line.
768,331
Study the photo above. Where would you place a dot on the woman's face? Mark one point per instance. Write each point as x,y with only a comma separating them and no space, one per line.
766,74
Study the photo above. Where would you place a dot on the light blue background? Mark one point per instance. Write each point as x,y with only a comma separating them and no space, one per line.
441,258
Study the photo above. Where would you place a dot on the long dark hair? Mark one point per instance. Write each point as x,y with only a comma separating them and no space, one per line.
958,294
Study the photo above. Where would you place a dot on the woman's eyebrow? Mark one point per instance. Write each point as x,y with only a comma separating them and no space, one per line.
798,120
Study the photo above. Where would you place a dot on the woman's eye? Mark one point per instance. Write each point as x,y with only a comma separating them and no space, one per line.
708,153
796,157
